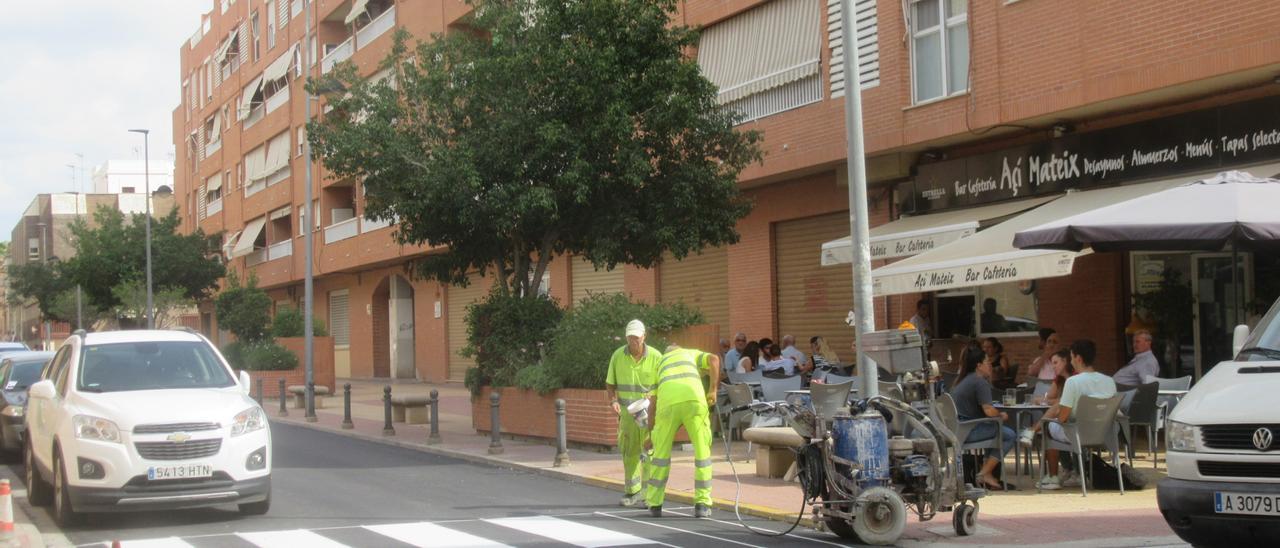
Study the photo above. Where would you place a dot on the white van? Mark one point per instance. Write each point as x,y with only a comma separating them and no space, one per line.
1224,448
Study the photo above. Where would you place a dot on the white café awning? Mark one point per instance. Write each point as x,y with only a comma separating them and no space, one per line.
989,257
909,236
244,245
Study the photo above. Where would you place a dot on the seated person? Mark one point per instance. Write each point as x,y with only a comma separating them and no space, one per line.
1142,365
750,359
1002,373
1086,382
776,366
1060,365
823,359
973,398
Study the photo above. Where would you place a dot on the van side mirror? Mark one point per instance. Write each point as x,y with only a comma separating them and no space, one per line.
42,390
246,385
1238,338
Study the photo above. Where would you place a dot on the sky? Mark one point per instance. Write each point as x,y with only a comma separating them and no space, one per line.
74,77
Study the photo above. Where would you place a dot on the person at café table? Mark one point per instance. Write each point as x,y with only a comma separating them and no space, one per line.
1000,368
973,398
1142,365
776,366
734,354
1060,365
1041,368
1086,382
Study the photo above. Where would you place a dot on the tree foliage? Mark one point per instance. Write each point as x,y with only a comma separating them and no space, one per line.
547,127
244,310
46,284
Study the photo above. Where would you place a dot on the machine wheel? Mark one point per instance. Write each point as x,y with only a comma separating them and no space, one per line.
39,492
842,529
965,519
880,516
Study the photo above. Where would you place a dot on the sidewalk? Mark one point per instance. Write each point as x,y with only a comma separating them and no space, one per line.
1015,517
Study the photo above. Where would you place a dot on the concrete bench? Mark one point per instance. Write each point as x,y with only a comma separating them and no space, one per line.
409,409
300,396
774,455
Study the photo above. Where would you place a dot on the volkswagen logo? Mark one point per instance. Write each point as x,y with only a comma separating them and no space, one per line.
1262,439
182,437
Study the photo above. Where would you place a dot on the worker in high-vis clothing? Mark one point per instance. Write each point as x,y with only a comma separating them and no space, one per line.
680,399
632,371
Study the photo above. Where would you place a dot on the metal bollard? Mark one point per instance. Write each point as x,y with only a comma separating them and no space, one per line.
387,429
562,443
434,438
495,427
284,400
346,407
310,403
261,395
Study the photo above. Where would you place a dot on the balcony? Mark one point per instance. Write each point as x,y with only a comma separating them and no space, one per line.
280,250
278,176
212,147
258,257
256,113
281,97
213,208
338,55
255,187
377,27
370,225
339,231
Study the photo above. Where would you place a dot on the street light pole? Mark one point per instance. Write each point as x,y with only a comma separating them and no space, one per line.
308,352
864,315
146,176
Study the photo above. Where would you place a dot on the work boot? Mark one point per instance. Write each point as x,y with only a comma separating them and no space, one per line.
631,500
655,511
701,511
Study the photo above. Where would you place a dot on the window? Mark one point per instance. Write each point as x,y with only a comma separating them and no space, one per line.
998,309
254,25
339,327
302,137
271,24
128,190
939,48
33,248
151,366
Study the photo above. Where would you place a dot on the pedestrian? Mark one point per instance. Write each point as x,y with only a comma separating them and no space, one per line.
920,321
679,399
632,371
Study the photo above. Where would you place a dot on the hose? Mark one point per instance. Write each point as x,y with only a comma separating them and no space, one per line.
737,496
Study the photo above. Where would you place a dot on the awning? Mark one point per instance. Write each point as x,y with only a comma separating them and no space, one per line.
732,57
255,164
914,235
357,9
246,100
230,244
277,157
989,257
215,182
222,50
280,67
244,245
281,213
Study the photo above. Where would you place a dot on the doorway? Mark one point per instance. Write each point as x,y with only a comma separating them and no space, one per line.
1218,306
400,321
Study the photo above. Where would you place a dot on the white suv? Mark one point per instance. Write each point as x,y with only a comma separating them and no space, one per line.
138,420
1224,449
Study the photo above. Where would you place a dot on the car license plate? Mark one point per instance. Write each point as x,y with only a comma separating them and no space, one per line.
1246,503
181,471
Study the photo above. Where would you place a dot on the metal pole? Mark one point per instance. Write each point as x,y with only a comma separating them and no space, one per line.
562,445
146,177
387,429
346,407
284,400
261,393
495,427
434,438
309,413
308,359
864,315
79,310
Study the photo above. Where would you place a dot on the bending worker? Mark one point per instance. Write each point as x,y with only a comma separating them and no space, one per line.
631,374
679,399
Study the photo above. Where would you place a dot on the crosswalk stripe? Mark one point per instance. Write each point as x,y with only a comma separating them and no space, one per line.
430,534
170,542
569,532
289,539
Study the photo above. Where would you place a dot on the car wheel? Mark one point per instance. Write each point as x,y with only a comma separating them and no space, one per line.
256,508
39,493
63,513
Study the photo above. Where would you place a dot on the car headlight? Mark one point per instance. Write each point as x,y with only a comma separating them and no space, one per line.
1181,436
96,428
13,411
249,420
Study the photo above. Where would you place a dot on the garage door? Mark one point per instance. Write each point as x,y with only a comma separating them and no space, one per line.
813,299
585,279
701,281
458,298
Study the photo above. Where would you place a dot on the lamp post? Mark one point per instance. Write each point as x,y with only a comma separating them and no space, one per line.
146,177
308,353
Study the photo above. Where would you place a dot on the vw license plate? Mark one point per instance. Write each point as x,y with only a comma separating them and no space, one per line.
1246,503
181,471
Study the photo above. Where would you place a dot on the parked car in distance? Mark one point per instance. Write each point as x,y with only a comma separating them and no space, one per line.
8,347
18,371
1224,449
144,420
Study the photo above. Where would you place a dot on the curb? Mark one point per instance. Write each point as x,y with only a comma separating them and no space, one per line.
753,510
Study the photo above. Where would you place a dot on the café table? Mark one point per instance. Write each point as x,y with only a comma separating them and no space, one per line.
1033,412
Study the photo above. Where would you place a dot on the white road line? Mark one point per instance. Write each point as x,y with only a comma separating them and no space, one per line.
668,527
171,542
289,539
430,534
791,535
569,532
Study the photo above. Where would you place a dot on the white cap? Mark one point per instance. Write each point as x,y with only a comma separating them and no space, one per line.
635,328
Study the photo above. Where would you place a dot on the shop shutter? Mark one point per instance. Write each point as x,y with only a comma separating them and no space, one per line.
813,299
339,318
585,279
458,298
701,281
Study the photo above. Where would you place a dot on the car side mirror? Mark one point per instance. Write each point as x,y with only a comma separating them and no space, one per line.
1238,338
42,390
246,385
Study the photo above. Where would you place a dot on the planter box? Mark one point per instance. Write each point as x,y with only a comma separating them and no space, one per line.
588,415
322,362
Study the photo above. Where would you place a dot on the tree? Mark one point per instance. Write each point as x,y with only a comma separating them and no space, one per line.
548,127
46,284
132,295
244,310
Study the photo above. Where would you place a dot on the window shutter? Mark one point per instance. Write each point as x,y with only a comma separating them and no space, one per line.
283,8
866,33
201,202
244,38
767,47
339,322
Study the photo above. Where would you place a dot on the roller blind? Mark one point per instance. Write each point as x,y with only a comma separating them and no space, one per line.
812,300
458,298
255,164
700,281
277,157
766,47
584,279
215,183
339,320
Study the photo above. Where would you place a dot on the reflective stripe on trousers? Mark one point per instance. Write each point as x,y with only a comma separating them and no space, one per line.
694,417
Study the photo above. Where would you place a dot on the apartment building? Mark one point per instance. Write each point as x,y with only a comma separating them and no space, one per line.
981,118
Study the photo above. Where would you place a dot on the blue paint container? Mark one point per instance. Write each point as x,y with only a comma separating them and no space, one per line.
864,439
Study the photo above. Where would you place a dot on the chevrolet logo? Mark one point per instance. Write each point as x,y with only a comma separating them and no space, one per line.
179,437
